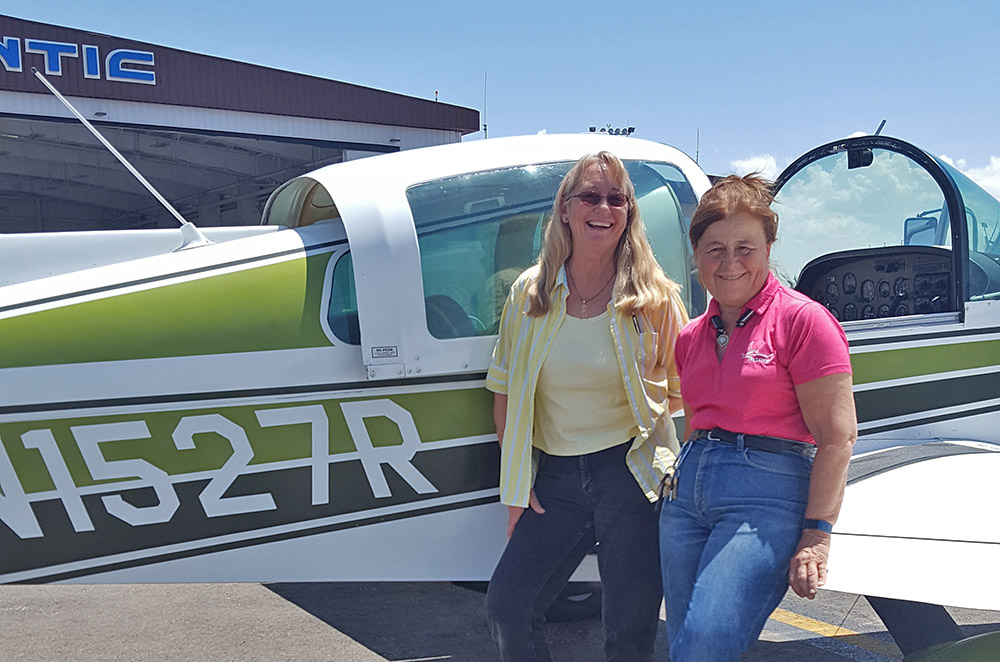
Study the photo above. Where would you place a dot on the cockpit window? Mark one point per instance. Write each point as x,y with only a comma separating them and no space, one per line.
342,314
477,232
865,232
982,216
828,207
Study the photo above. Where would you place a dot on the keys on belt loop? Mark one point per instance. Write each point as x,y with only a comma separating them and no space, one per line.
674,477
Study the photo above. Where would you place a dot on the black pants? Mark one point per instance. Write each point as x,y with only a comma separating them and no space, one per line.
587,499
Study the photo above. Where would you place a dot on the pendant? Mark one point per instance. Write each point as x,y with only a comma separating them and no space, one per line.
583,309
722,340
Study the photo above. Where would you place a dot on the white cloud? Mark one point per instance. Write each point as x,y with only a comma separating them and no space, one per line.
960,164
765,164
988,177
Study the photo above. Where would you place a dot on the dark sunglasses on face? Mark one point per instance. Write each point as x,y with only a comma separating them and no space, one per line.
592,198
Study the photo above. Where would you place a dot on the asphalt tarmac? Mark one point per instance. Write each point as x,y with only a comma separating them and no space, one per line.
366,622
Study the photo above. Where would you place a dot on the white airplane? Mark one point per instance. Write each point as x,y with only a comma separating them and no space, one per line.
301,401
304,400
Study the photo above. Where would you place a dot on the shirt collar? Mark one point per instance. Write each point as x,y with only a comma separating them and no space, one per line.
561,282
560,289
561,277
763,299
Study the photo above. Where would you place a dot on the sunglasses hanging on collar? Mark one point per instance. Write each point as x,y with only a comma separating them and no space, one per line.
721,337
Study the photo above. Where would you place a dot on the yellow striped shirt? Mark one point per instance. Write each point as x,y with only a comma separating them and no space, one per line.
644,344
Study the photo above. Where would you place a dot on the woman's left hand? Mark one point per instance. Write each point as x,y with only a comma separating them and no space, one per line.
807,569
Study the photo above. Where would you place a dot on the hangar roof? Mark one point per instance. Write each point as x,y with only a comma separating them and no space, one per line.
190,79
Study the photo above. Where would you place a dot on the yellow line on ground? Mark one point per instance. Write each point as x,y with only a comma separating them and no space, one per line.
870,644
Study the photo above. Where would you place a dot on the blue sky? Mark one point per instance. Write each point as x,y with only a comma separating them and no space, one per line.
761,83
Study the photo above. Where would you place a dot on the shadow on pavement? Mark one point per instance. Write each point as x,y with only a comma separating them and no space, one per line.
427,621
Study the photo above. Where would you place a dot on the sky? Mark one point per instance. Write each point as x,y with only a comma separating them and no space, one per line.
738,85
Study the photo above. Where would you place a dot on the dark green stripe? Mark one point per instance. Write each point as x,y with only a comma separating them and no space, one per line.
912,423
909,399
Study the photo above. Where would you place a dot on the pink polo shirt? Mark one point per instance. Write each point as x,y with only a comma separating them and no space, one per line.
789,340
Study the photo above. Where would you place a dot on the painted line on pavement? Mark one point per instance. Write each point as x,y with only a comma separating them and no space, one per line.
864,641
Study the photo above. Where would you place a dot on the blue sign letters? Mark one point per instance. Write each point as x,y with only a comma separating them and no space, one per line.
10,53
53,52
117,68
118,65
91,62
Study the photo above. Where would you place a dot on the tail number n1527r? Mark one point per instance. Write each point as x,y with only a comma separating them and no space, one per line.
16,512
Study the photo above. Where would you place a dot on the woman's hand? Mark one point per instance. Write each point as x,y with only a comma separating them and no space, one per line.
807,569
514,512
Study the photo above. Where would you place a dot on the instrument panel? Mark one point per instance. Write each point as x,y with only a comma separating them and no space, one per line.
880,283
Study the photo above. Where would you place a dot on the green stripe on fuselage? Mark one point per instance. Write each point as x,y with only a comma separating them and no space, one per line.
919,361
262,308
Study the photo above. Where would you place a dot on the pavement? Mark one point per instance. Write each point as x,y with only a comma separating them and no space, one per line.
366,622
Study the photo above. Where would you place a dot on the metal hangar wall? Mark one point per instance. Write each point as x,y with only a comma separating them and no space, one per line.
214,136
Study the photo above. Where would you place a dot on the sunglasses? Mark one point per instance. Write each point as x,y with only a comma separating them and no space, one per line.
592,199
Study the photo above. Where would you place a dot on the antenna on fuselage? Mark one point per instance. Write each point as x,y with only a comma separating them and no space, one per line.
879,129
191,236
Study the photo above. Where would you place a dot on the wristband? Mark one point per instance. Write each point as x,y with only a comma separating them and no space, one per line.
819,525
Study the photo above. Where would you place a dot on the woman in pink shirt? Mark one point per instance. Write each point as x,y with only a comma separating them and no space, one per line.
770,423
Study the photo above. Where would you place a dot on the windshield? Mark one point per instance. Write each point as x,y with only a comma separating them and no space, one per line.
982,212
829,206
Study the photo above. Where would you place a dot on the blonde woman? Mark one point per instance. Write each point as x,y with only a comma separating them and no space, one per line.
584,381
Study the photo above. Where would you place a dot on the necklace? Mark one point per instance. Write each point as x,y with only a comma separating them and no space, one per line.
721,337
583,299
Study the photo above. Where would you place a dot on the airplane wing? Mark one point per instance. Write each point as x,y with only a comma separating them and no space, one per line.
920,523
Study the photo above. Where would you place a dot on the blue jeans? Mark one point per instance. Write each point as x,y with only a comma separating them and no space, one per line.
588,499
725,542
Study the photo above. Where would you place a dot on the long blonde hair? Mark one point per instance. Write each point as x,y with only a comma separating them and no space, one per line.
640,283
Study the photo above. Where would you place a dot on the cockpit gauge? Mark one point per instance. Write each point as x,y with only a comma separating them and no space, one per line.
850,282
867,291
832,293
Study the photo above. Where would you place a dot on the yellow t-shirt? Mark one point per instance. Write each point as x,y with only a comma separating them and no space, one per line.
644,344
580,403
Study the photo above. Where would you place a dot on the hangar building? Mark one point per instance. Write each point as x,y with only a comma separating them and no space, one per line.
214,136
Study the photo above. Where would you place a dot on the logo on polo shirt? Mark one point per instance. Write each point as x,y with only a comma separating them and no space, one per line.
754,355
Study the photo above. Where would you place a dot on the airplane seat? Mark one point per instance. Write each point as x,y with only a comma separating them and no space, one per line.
447,319
300,202
513,253
317,206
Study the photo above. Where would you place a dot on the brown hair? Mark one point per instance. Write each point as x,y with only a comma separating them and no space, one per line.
639,283
749,193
